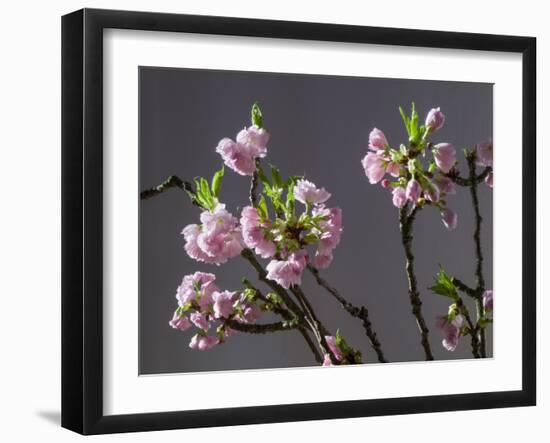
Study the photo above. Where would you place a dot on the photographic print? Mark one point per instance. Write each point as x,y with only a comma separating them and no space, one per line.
295,220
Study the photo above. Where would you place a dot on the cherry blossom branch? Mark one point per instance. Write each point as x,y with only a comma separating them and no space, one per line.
465,288
287,315
472,329
171,182
361,313
317,327
406,225
253,193
248,255
480,280
454,175
254,328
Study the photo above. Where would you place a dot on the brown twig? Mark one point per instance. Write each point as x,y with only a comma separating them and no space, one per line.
361,313
405,224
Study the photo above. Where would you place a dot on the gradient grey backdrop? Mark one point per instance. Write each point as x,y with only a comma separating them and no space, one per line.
319,127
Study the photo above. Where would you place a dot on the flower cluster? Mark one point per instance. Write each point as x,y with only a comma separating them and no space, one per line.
282,236
201,304
216,239
411,180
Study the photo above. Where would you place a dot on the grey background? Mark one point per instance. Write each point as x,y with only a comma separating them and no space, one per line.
319,127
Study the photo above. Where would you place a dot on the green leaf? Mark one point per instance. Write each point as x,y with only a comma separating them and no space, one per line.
444,285
432,168
276,177
217,182
256,115
406,120
414,133
262,208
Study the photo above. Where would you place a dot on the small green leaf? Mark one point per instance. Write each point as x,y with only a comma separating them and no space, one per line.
276,177
217,182
444,285
256,115
406,120
262,208
432,168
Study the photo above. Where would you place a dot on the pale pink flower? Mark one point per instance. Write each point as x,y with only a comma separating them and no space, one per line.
377,140
307,193
484,154
236,156
327,361
203,343
241,155
196,287
451,331
180,322
394,169
413,190
200,320
336,351
444,156
489,179
223,303
399,197
435,119
330,228
432,192
255,139
449,218
445,185
288,272
322,261
217,239
375,167
253,233
488,300
251,313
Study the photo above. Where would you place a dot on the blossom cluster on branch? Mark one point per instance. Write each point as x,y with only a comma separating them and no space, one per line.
289,223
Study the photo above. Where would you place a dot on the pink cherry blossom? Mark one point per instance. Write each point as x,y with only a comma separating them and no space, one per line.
236,156
444,156
484,154
432,192
336,351
377,140
288,272
330,228
489,179
394,169
253,233
200,320
375,166
241,155
251,313
445,185
255,139
488,300
413,190
202,342
307,193
451,331
217,239
180,322
223,303
327,361
449,218
399,197
196,287
435,119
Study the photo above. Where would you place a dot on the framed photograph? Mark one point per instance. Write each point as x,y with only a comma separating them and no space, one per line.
269,221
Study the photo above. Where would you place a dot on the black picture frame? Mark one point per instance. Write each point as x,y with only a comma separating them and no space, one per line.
82,219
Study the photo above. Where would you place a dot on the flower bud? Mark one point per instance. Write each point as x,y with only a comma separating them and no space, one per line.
413,190
435,119
449,218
